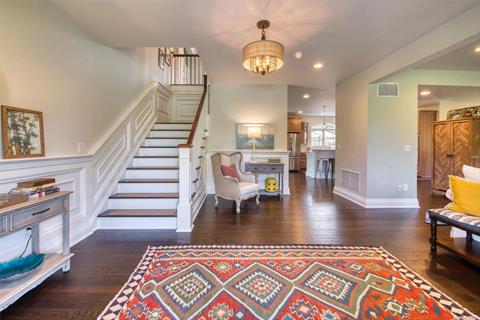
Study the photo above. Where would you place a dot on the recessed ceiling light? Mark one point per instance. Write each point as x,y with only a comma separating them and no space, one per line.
306,96
298,55
425,92
300,111
318,65
477,49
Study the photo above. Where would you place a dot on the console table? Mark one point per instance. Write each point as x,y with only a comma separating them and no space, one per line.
30,214
267,168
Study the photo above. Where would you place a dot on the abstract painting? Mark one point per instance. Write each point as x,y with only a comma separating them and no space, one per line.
265,140
22,133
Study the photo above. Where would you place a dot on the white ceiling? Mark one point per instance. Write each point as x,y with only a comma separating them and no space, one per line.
451,93
461,59
345,35
312,106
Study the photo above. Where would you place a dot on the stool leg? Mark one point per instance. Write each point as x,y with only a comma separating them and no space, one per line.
433,237
469,237
325,169
333,168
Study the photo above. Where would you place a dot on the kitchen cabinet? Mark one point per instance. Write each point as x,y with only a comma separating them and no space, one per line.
294,124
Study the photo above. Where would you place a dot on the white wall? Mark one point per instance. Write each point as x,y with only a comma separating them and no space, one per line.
89,93
50,64
232,104
392,124
352,103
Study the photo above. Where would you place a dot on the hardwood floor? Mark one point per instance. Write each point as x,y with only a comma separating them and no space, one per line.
312,214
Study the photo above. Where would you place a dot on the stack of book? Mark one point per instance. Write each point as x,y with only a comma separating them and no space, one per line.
36,188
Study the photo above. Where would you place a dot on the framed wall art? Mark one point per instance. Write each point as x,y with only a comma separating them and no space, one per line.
263,136
22,133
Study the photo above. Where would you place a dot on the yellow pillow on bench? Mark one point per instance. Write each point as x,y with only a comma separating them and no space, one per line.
466,196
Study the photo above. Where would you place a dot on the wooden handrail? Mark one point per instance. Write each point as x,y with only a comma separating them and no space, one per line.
189,143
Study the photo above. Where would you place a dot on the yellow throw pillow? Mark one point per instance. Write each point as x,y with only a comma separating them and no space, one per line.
466,196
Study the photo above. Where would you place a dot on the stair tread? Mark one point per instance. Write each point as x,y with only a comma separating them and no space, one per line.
144,195
171,147
173,122
164,138
160,157
148,181
152,168
163,130
139,213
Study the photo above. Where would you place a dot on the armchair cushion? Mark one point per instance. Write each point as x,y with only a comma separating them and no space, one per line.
247,188
230,171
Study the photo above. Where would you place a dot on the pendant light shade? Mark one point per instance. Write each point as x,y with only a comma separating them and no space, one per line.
263,56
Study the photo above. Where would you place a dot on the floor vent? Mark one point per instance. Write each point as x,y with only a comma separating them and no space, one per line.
387,89
350,180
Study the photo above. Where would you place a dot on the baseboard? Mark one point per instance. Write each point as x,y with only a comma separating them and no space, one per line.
350,196
376,202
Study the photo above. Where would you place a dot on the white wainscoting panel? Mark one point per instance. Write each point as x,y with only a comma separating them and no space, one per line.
91,177
184,102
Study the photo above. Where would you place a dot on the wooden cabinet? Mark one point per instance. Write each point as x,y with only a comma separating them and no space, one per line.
455,143
294,124
425,147
303,161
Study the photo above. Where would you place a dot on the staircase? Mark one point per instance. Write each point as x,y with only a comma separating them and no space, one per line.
147,195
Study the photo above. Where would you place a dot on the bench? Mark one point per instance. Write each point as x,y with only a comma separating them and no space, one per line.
445,217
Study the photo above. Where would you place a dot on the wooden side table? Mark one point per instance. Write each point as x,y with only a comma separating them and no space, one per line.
267,168
30,214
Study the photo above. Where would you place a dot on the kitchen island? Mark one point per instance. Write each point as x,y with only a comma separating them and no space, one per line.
315,154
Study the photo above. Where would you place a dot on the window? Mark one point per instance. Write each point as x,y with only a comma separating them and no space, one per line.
323,137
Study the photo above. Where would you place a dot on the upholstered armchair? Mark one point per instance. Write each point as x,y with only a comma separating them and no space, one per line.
238,186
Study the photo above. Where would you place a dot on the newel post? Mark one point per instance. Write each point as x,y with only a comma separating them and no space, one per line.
184,209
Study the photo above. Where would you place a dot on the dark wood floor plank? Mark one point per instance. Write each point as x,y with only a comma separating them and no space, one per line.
312,214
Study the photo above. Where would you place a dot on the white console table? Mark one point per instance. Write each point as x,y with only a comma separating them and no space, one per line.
30,214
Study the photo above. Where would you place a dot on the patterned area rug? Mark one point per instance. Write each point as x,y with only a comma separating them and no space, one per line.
277,282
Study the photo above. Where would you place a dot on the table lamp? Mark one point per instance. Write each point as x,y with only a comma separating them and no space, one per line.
254,133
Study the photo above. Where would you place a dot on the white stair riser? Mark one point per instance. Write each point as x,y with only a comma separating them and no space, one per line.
147,187
137,223
151,174
120,223
173,134
154,162
142,203
164,142
158,152
172,126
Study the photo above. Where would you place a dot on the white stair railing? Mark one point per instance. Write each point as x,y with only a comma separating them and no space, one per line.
192,177
187,69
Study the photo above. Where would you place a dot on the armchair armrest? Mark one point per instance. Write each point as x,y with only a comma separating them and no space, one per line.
227,186
247,177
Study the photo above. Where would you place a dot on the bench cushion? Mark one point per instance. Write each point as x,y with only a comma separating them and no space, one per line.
451,216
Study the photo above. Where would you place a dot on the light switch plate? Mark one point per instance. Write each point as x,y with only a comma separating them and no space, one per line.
81,147
407,148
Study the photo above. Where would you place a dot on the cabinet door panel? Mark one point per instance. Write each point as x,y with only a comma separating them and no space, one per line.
443,154
462,148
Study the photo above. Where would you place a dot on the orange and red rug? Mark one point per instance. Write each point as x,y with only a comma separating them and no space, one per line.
277,282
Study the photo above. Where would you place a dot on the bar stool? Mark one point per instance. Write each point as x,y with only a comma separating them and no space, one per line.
325,165
321,165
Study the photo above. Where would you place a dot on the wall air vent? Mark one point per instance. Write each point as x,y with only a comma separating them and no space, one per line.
388,90
350,180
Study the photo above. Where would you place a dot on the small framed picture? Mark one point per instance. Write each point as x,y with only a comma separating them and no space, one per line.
168,56
22,133
161,58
